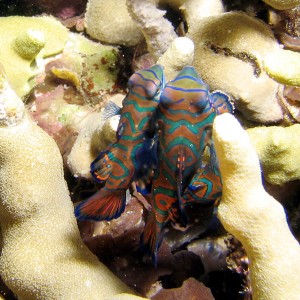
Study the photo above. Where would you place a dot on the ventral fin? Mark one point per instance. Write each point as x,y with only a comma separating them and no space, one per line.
103,205
178,213
151,238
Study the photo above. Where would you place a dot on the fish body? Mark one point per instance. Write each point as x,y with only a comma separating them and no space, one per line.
206,185
120,162
184,116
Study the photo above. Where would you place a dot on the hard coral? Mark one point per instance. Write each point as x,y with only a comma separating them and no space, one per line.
283,66
158,31
94,137
194,10
229,50
29,43
43,256
109,21
282,4
254,217
24,39
178,55
278,150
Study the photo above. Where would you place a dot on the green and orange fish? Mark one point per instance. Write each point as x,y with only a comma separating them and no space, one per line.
183,124
123,161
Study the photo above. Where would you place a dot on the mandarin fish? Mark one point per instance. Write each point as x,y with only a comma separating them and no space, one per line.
119,164
183,116
206,185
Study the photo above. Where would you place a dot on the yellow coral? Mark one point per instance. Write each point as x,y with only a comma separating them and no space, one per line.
254,217
24,38
43,256
29,43
68,75
229,49
283,66
278,149
282,4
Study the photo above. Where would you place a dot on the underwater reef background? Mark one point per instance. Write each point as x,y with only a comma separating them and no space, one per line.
79,68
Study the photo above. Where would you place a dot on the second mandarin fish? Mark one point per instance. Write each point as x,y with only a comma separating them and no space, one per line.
118,165
184,121
183,117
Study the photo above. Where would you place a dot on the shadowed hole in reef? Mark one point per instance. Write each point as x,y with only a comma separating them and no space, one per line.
18,8
175,17
186,265
225,285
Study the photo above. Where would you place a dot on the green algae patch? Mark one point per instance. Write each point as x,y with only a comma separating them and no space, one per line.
25,41
91,67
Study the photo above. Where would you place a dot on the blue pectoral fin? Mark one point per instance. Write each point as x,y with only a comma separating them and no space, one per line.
205,186
110,109
146,163
147,155
103,205
221,102
144,188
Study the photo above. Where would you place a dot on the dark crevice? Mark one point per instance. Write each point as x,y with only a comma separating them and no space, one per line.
244,56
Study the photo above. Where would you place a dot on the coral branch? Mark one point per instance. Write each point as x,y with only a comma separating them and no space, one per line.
254,217
282,4
178,55
158,31
43,256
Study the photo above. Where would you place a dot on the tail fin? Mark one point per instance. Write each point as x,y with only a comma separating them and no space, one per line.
103,205
151,238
